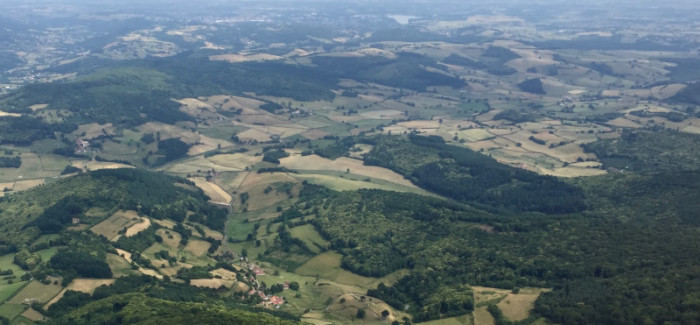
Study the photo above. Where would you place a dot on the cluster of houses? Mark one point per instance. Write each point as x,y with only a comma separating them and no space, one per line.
81,146
267,300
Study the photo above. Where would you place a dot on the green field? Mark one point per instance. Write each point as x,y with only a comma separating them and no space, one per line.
8,290
239,229
36,290
310,236
9,311
6,262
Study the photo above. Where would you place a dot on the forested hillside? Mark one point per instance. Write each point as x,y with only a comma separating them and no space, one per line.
635,232
471,177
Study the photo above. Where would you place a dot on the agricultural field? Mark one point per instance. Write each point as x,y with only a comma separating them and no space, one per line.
120,221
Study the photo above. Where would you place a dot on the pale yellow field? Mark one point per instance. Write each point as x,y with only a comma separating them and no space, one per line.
227,102
573,171
172,243
340,184
206,143
237,161
517,307
33,315
36,290
253,135
37,107
224,274
125,254
483,317
88,285
215,192
28,184
138,227
197,247
93,130
255,185
3,113
212,283
342,164
97,165
623,122
314,134
111,226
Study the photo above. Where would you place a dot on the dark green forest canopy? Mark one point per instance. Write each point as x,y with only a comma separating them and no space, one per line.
639,234
649,151
406,71
138,308
471,177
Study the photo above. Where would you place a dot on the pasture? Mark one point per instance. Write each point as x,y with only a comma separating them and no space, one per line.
111,227
310,236
215,192
8,290
36,291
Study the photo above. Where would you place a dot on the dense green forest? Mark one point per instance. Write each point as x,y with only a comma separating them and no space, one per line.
633,240
137,308
471,177
649,151
405,71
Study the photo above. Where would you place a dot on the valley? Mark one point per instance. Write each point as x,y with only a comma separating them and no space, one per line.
348,164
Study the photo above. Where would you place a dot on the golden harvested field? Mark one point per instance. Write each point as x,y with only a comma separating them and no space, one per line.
33,315
624,123
111,226
25,185
255,185
3,113
138,227
97,165
572,171
212,283
215,192
252,134
197,247
341,184
125,254
41,293
483,317
517,307
206,143
224,274
37,107
88,285
165,223
342,164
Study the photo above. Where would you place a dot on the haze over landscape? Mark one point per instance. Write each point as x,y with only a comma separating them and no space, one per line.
350,162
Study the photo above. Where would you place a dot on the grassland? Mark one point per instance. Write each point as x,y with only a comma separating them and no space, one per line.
36,291
112,226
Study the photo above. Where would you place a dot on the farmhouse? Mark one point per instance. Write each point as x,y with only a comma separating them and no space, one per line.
81,146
